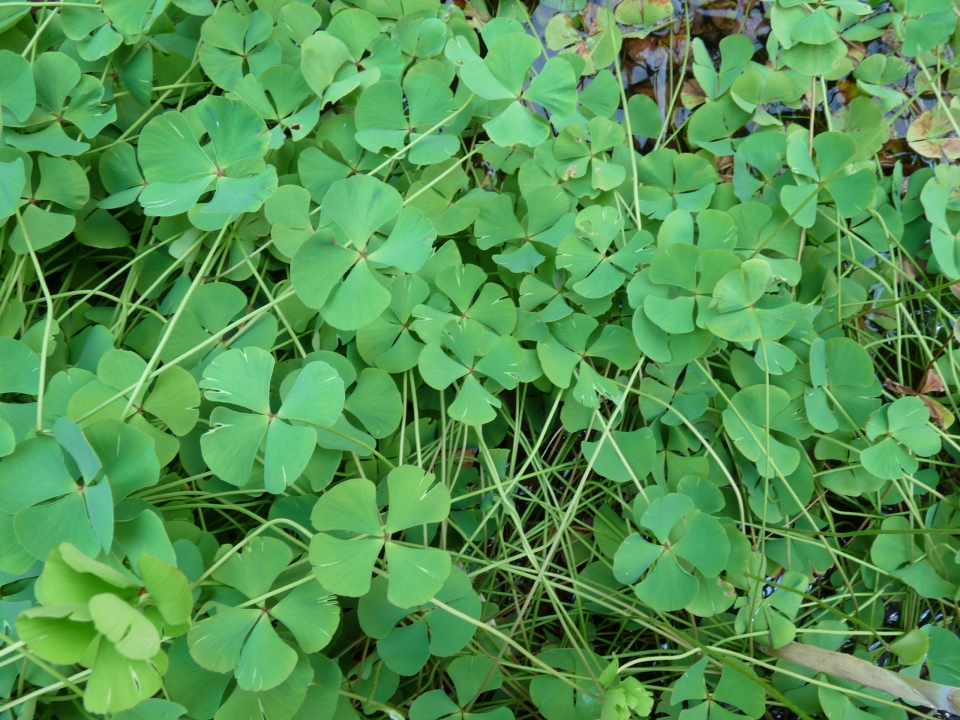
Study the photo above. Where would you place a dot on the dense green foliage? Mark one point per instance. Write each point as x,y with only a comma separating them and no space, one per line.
391,358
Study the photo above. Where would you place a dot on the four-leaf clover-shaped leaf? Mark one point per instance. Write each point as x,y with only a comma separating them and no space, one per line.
674,181
547,222
388,342
852,190
58,77
555,698
178,169
597,266
45,217
491,307
584,156
405,648
172,399
242,639
896,552
282,98
353,211
499,77
565,350
242,378
672,295
745,312
335,60
691,549
352,534
235,44
773,612
108,460
382,122
475,354
845,389
761,420
735,690
903,426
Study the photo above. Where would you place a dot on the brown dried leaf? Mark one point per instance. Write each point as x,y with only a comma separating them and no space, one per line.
932,134
908,267
938,413
894,386
692,95
932,383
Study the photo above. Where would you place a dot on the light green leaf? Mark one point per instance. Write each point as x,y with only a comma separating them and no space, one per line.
349,505
215,643
287,452
311,615
19,368
253,570
168,589
265,661
12,180
117,683
240,377
232,444
344,566
416,498
131,633
416,574
376,402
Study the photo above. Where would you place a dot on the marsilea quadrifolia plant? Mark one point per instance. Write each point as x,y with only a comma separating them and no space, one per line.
411,360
